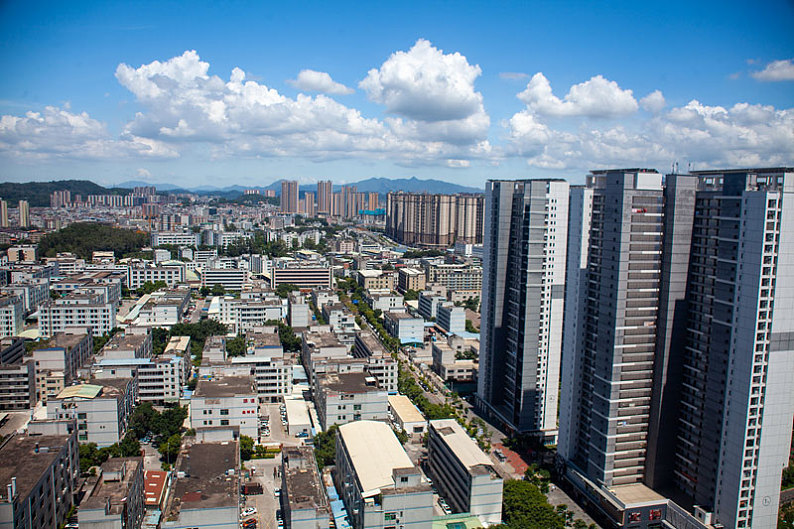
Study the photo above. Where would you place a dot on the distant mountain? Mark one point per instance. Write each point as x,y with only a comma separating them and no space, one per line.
141,183
386,185
38,193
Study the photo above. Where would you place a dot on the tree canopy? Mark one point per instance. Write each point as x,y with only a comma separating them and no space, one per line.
84,238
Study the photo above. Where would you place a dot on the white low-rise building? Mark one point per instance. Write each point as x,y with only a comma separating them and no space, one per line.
463,473
406,328
171,273
378,482
451,319
77,310
12,314
225,402
406,416
115,499
160,379
344,397
101,411
303,497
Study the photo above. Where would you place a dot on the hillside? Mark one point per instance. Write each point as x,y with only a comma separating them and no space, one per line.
386,185
38,193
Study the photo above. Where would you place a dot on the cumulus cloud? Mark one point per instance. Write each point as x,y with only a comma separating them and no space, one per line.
58,133
426,84
144,173
712,136
183,103
314,81
776,71
653,102
597,97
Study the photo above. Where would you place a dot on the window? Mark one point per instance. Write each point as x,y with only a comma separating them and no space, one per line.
356,406
224,412
390,516
224,422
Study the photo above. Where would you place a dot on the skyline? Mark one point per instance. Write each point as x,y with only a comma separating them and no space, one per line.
247,96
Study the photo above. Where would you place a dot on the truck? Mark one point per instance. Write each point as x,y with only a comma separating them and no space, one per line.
252,488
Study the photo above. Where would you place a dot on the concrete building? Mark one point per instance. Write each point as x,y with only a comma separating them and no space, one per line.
133,342
77,310
115,497
17,378
303,499
58,360
101,411
160,379
449,367
375,279
22,253
12,315
458,277
171,273
33,292
410,279
243,315
24,214
406,416
462,472
434,220
299,422
451,319
300,315
289,196
227,402
304,275
377,481
384,300
38,480
429,302
346,397
523,299
324,192
339,317
206,491
406,328
230,279
176,239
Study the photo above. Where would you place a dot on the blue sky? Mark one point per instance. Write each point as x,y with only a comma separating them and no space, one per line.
460,91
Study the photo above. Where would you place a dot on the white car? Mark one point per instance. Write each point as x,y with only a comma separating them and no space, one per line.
277,493
250,511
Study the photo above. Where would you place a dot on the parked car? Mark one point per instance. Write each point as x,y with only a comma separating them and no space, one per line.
250,511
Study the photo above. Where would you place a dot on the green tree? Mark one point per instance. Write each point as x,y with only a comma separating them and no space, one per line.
284,289
246,447
470,327
236,346
325,447
525,507
129,446
84,238
217,290
411,295
142,419
149,287
169,449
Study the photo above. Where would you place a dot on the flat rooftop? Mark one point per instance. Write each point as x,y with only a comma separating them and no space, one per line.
405,409
322,339
459,442
374,453
347,382
263,339
110,490
61,339
18,459
208,482
636,494
224,387
304,487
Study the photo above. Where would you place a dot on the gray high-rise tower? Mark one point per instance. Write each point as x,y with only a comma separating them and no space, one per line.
526,229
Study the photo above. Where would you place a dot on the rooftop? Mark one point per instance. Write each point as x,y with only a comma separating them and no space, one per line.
322,339
346,382
223,387
19,459
206,478
304,487
459,442
374,453
636,494
405,409
82,391
113,485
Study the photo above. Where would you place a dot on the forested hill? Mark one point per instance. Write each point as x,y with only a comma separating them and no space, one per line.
38,193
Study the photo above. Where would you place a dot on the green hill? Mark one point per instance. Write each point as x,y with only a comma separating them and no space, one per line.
38,193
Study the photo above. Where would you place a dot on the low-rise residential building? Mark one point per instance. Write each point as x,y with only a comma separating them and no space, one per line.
160,379
164,308
339,317
114,499
377,481
463,474
171,273
410,279
206,491
11,350
12,315
406,328
38,478
303,499
172,238
101,411
406,416
319,346
133,342
384,300
429,302
77,310
461,277
242,315
17,378
449,367
32,292
321,297
451,319
58,360
346,397
105,283
228,401
375,279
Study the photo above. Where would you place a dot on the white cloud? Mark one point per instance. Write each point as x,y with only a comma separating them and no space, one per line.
458,164
743,135
653,102
597,97
58,133
183,103
144,173
776,71
314,81
425,84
